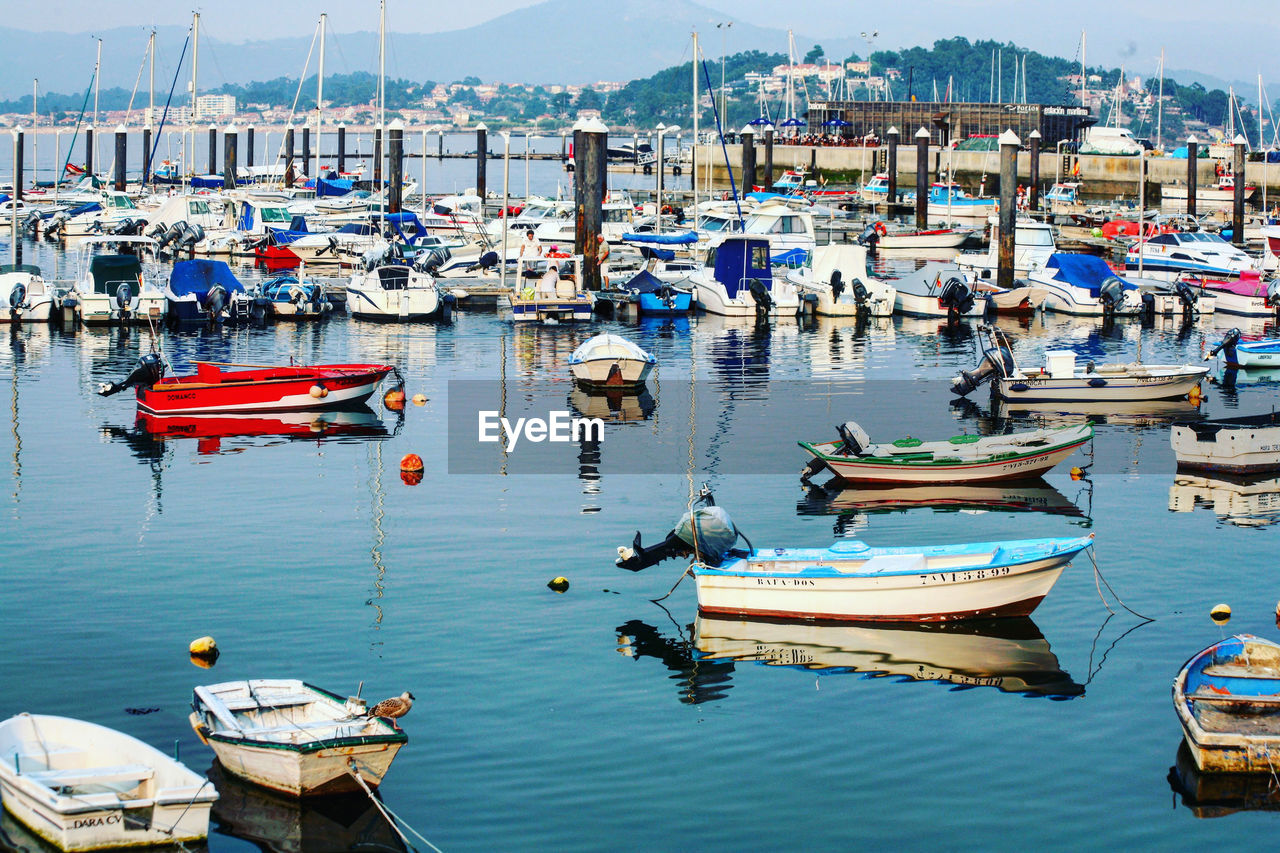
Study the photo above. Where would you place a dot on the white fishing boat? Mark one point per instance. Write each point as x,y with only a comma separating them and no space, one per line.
738,280
290,736
938,290
898,238
82,786
1063,379
1242,445
1255,352
1084,285
837,284
963,458
853,581
609,360
25,297
550,290
1033,245
118,287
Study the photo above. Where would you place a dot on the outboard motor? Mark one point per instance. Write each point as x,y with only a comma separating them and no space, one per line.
148,371
215,301
95,227
760,293
171,235
332,248
995,361
957,296
1148,308
854,440
1273,293
32,222
1187,295
123,296
156,232
56,225
868,237
16,298
1111,294
837,285
706,531
1227,347
191,235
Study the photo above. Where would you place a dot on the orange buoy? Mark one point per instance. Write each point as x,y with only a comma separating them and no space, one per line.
411,478
1077,473
411,462
394,399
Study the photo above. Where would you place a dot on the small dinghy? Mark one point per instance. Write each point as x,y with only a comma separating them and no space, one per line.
290,736
249,388
851,580
1228,700
81,786
1244,445
1239,352
1062,379
609,359
963,458
296,299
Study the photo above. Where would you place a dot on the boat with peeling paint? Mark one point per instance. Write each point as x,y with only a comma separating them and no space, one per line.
1227,698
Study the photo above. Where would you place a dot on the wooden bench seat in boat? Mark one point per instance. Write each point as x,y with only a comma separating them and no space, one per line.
1235,699
250,703
1233,670
892,563
304,727
92,775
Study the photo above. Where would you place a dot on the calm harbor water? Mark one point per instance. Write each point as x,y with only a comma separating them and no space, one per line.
597,718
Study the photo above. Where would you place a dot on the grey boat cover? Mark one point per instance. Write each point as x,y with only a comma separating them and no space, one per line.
715,533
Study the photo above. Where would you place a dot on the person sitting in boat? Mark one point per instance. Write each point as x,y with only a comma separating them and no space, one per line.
530,246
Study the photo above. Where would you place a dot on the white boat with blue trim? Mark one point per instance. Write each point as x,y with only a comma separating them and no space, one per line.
82,786
1254,352
851,580
738,280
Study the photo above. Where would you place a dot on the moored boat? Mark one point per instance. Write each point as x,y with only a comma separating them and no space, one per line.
293,737
294,298
82,786
608,360
851,580
248,388
1227,698
115,288
550,290
25,297
206,291
962,458
1241,445
1238,352
738,280
938,290
836,283
1085,285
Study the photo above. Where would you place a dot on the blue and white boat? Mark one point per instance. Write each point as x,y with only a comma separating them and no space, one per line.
296,299
1263,352
949,201
851,580
1171,255
738,280
206,291
1084,285
1227,698
652,296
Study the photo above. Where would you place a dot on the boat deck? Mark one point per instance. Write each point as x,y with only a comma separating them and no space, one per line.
1248,716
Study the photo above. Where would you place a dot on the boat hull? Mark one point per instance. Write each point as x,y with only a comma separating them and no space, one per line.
1233,448
715,300
681,302
1030,465
100,310
1048,389
277,395
306,773
919,305
596,372
1216,708
403,306
107,829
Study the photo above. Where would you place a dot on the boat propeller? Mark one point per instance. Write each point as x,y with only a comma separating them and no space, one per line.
148,371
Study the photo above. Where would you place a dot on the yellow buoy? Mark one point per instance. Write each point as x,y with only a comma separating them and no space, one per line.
203,646
419,399
558,584
1077,473
1220,613
1195,395
205,661
393,399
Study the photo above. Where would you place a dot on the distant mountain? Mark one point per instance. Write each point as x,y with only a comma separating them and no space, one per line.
559,41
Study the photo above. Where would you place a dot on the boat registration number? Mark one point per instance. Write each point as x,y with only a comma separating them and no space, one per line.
965,576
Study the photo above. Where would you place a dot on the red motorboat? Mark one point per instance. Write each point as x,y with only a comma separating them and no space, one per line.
249,388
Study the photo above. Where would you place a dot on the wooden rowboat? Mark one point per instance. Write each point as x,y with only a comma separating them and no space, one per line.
963,458
1227,698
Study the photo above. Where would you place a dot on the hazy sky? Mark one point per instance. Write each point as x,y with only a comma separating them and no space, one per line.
1195,34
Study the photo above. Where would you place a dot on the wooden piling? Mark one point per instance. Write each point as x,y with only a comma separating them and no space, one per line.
891,140
482,159
342,149
19,156
590,153
306,150
1193,165
395,152
121,158
768,156
377,159
1033,191
1237,207
1009,144
213,149
88,150
146,156
748,160
248,147
922,179
288,156
230,144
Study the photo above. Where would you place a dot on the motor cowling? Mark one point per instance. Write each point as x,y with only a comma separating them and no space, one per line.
1111,294
956,296
1273,293
1188,296
32,222
706,531
997,361
215,301
1227,347
854,440
837,284
123,296
148,371
760,294
17,299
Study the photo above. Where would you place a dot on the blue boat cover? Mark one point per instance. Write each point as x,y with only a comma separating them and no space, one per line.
680,238
199,275
739,260
84,208
644,282
794,258
207,182
1088,271
333,186
648,252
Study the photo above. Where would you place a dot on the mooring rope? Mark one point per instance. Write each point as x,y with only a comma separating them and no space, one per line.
1097,576
392,818
688,571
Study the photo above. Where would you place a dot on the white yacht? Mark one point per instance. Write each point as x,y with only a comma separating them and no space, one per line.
737,280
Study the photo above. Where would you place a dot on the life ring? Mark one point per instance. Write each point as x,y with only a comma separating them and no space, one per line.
880,228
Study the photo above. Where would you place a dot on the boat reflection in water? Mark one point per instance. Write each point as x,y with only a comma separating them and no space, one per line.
150,432
1025,496
697,681
1010,655
1140,413
1220,794
1242,500
613,405
281,824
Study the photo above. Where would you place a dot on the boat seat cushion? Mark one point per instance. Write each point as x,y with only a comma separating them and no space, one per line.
893,564
92,775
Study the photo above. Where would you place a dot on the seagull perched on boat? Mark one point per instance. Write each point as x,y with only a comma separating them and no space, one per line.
393,708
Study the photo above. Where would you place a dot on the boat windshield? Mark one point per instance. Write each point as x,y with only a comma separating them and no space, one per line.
1033,237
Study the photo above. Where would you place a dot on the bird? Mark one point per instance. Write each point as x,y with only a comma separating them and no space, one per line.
393,708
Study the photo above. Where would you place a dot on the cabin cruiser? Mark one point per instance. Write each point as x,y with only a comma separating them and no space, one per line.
837,284
786,227
25,297
114,209
116,287
1169,255
1085,285
391,289
737,280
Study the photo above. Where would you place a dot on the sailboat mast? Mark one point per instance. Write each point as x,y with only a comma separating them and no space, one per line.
324,18
1160,104
35,128
694,163
1083,97
151,103
195,67
382,63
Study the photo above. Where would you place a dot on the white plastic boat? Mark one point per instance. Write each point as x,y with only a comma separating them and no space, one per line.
738,280
293,737
25,297
838,284
395,292
1243,445
938,290
82,786
117,287
609,359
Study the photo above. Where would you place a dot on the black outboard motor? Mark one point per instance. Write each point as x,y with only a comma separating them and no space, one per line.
706,531
124,295
1227,347
215,301
837,284
760,293
957,296
1273,294
869,236
156,232
1187,295
1110,294
17,297
171,235
148,371
995,361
